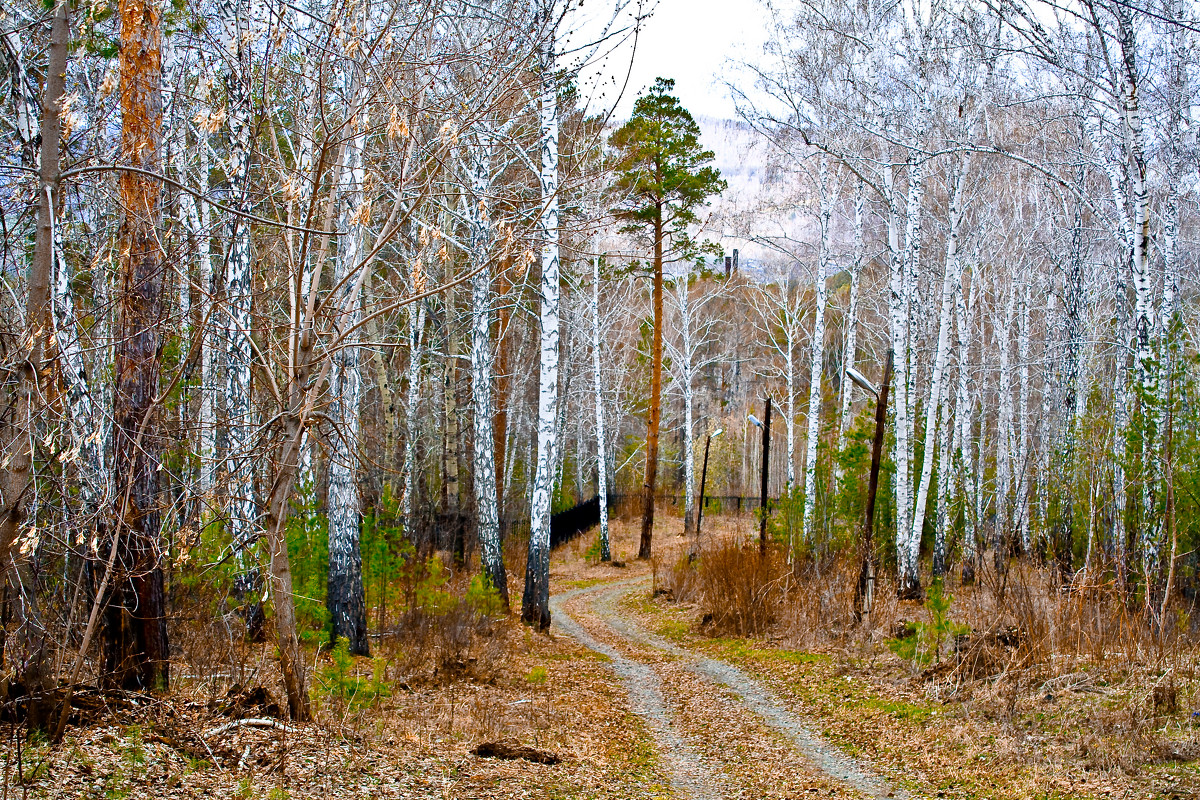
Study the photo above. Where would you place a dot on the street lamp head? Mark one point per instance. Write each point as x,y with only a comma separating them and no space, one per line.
716,433
754,419
861,380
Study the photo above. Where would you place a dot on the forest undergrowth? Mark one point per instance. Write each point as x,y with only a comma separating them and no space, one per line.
1015,686
1006,688
450,671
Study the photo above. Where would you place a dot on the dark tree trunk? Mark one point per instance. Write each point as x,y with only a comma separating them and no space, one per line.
764,503
864,591
500,420
652,426
135,645
347,602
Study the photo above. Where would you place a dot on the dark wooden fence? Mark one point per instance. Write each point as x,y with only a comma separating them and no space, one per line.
567,525
455,532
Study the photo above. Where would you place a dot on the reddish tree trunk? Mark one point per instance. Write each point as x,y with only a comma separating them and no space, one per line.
136,649
655,393
500,424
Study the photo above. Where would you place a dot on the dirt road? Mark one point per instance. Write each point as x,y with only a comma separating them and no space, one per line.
720,733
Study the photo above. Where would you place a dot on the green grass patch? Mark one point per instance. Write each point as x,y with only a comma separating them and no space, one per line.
586,583
746,648
641,603
673,630
898,709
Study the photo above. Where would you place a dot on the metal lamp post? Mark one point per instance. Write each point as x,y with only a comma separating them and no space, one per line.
766,465
703,479
864,591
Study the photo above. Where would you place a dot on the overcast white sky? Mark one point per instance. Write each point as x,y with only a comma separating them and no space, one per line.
688,40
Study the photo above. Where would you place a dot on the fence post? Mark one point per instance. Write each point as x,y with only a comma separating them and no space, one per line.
766,473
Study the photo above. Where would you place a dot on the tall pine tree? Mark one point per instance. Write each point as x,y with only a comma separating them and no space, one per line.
662,178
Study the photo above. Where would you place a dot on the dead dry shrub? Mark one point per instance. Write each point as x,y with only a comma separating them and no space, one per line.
1093,622
818,608
680,582
1027,629
1061,628
1122,736
211,647
1164,695
440,648
489,717
740,589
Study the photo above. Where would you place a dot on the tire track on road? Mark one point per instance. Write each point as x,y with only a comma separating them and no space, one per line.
689,776
751,694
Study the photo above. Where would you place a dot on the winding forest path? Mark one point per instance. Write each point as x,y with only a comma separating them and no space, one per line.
718,731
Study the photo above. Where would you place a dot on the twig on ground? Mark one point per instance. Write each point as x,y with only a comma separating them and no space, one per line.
245,755
249,723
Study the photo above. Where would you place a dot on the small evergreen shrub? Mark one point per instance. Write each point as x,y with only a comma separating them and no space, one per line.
483,598
924,646
339,682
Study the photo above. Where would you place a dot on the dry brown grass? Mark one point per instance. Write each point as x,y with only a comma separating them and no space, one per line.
1078,676
1054,693
740,589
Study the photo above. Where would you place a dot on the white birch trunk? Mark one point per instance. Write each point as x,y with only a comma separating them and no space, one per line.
580,487
238,288
1023,472
950,283
416,338
194,221
1135,149
1004,429
789,360
850,351
1179,97
209,464
812,440
1145,368
687,368
903,260
450,413
1178,106
536,601
486,504
964,412
345,597
87,426
24,90
601,445
1145,371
